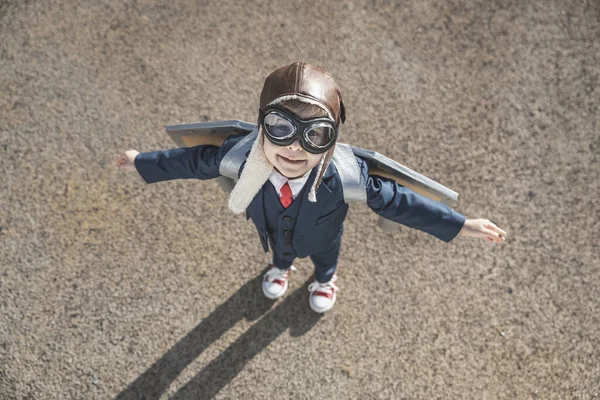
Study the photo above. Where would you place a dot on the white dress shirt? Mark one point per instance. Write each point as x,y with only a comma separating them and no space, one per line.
296,185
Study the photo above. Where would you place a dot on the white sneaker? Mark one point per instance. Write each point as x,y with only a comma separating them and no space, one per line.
275,282
322,295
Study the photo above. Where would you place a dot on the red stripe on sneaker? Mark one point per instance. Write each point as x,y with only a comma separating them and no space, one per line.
324,294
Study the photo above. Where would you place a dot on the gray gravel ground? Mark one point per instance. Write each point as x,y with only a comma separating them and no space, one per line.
110,288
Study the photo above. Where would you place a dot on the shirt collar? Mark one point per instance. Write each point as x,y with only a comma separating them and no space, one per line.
296,184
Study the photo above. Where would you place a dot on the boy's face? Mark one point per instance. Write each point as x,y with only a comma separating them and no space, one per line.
292,161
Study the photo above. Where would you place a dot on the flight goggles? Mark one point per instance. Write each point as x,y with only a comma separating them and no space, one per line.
282,128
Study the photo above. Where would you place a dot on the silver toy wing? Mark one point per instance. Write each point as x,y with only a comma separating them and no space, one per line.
213,133
383,166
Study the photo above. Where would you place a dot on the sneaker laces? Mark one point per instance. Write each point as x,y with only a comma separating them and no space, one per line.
278,274
327,287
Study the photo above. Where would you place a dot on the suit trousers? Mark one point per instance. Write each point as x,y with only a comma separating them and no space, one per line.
325,262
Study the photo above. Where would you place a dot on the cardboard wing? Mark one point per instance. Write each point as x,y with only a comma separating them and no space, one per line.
213,133
383,166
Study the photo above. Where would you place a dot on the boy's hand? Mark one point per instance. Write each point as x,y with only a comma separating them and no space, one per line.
482,228
125,160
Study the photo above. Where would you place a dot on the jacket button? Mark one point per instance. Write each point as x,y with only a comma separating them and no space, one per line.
287,219
287,255
287,234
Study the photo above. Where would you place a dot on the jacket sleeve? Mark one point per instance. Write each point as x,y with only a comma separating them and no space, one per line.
199,162
404,206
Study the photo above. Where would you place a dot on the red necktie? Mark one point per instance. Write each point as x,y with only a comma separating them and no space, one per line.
286,195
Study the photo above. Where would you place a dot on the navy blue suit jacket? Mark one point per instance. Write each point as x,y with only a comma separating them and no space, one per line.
319,224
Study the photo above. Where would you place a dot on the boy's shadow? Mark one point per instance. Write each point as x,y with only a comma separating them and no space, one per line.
249,303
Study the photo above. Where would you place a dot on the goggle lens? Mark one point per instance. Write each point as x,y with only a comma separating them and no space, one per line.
320,136
278,127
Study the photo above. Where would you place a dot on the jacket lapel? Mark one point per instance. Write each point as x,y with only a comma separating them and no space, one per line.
309,211
257,212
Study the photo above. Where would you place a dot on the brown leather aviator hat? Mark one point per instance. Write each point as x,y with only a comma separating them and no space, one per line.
307,83
297,81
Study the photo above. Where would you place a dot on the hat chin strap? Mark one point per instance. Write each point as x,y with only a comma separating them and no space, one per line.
254,175
312,195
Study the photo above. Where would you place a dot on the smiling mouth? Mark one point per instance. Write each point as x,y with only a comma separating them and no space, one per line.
289,160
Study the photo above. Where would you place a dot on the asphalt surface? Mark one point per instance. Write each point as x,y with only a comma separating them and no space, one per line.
114,289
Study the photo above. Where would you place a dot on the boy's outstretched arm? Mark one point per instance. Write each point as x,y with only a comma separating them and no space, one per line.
404,206
199,162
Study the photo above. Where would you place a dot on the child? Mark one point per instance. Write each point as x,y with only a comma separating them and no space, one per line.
291,190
